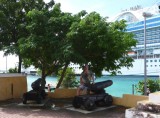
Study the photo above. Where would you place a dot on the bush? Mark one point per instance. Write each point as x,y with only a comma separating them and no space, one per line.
69,80
13,70
153,85
39,72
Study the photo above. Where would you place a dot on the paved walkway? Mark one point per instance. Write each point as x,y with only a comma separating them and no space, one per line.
13,110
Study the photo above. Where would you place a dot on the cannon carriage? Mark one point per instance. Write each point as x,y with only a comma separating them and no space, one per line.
37,94
98,97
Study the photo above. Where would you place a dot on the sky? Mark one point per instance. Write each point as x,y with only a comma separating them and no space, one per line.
106,8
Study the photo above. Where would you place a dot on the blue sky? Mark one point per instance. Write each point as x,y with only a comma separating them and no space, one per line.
107,8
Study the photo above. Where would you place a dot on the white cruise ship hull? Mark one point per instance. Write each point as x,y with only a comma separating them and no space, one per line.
152,67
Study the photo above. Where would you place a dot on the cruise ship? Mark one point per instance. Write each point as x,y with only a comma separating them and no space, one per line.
135,24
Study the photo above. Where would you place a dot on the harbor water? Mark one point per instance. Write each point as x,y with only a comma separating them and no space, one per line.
121,84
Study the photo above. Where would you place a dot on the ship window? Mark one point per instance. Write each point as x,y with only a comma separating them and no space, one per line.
146,60
155,60
150,60
151,65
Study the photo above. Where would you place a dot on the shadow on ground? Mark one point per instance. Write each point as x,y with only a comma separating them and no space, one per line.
54,108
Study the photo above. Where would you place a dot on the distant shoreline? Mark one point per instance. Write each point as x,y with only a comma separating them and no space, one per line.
110,75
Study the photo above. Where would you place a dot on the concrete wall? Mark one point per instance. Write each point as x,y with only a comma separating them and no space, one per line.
62,93
12,86
127,100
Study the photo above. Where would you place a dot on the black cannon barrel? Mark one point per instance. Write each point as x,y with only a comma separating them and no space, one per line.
100,85
36,84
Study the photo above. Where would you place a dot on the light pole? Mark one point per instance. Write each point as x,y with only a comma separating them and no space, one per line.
145,15
6,63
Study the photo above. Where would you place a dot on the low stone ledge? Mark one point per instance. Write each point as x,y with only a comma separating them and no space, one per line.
134,113
148,106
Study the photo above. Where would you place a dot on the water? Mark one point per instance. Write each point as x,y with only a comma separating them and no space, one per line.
121,84
49,80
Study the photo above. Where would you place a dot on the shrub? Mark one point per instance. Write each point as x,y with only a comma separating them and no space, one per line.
39,72
69,80
153,85
13,70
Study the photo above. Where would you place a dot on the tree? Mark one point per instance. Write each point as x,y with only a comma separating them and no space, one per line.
101,44
46,46
13,21
11,17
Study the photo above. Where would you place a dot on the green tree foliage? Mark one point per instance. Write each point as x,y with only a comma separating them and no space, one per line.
69,80
46,46
152,85
10,30
49,39
104,45
13,22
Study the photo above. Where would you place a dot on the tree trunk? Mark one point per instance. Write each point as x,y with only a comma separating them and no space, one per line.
43,83
62,76
19,64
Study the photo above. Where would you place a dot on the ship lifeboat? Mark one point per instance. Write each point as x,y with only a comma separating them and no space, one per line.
132,53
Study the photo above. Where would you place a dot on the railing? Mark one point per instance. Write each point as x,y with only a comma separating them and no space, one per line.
147,56
2,71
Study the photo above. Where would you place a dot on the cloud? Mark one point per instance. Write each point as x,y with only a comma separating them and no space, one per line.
67,6
75,6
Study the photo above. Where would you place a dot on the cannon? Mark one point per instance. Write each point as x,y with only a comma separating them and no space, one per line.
98,97
37,94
